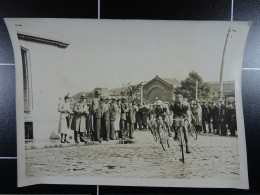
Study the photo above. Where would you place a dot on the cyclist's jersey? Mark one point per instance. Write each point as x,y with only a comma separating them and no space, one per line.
181,110
160,112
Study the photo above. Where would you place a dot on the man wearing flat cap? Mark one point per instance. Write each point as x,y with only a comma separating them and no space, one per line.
96,112
80,110
131,119
205,115
181,116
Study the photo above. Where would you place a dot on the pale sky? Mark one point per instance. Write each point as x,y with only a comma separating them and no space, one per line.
108,53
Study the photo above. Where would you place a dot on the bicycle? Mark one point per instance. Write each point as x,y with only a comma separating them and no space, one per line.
163,133
180,127
192,130
152,126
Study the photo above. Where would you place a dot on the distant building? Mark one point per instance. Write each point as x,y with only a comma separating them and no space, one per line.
90,95
116,92
104,92
228,90
159,89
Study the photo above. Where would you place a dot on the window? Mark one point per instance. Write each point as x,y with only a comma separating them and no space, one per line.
27,80
28,127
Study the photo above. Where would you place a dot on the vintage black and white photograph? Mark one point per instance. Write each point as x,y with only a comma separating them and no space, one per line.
130,102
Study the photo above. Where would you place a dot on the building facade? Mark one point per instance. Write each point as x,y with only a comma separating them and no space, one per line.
42,90
228,91
159,89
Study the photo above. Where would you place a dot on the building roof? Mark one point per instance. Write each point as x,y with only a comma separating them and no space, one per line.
224,82
166,81
173,81
40,39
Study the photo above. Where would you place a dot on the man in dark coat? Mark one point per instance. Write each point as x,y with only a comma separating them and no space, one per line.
210,117
216,118
131,119
139,117
232,123
222,118
145,110
96,111
105,110
205,113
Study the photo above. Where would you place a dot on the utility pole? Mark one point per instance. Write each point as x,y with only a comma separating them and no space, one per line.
222,65
196,92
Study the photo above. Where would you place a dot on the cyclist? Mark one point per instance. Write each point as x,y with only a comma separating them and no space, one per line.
161,112
181,115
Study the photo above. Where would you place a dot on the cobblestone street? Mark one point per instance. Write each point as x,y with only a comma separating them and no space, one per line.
212,156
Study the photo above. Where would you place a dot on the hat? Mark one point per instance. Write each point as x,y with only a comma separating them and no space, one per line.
67,97
159,102
107,98
97,92
102,99
82,96
179,96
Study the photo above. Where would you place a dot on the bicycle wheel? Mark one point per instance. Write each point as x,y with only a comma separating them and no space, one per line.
154,134
167,136
162,138
193,131
181,145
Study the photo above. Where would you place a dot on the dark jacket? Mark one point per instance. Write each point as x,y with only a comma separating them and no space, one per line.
131,117
96,108
205,111
105,110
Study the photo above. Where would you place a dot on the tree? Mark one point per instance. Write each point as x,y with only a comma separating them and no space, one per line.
133,92
188,87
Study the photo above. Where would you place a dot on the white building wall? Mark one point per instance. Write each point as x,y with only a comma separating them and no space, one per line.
48,85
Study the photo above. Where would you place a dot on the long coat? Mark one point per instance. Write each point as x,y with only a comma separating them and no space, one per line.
79,118
118,114
64,109
216,117
124,111
113,111
96,108
105,111
197,113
